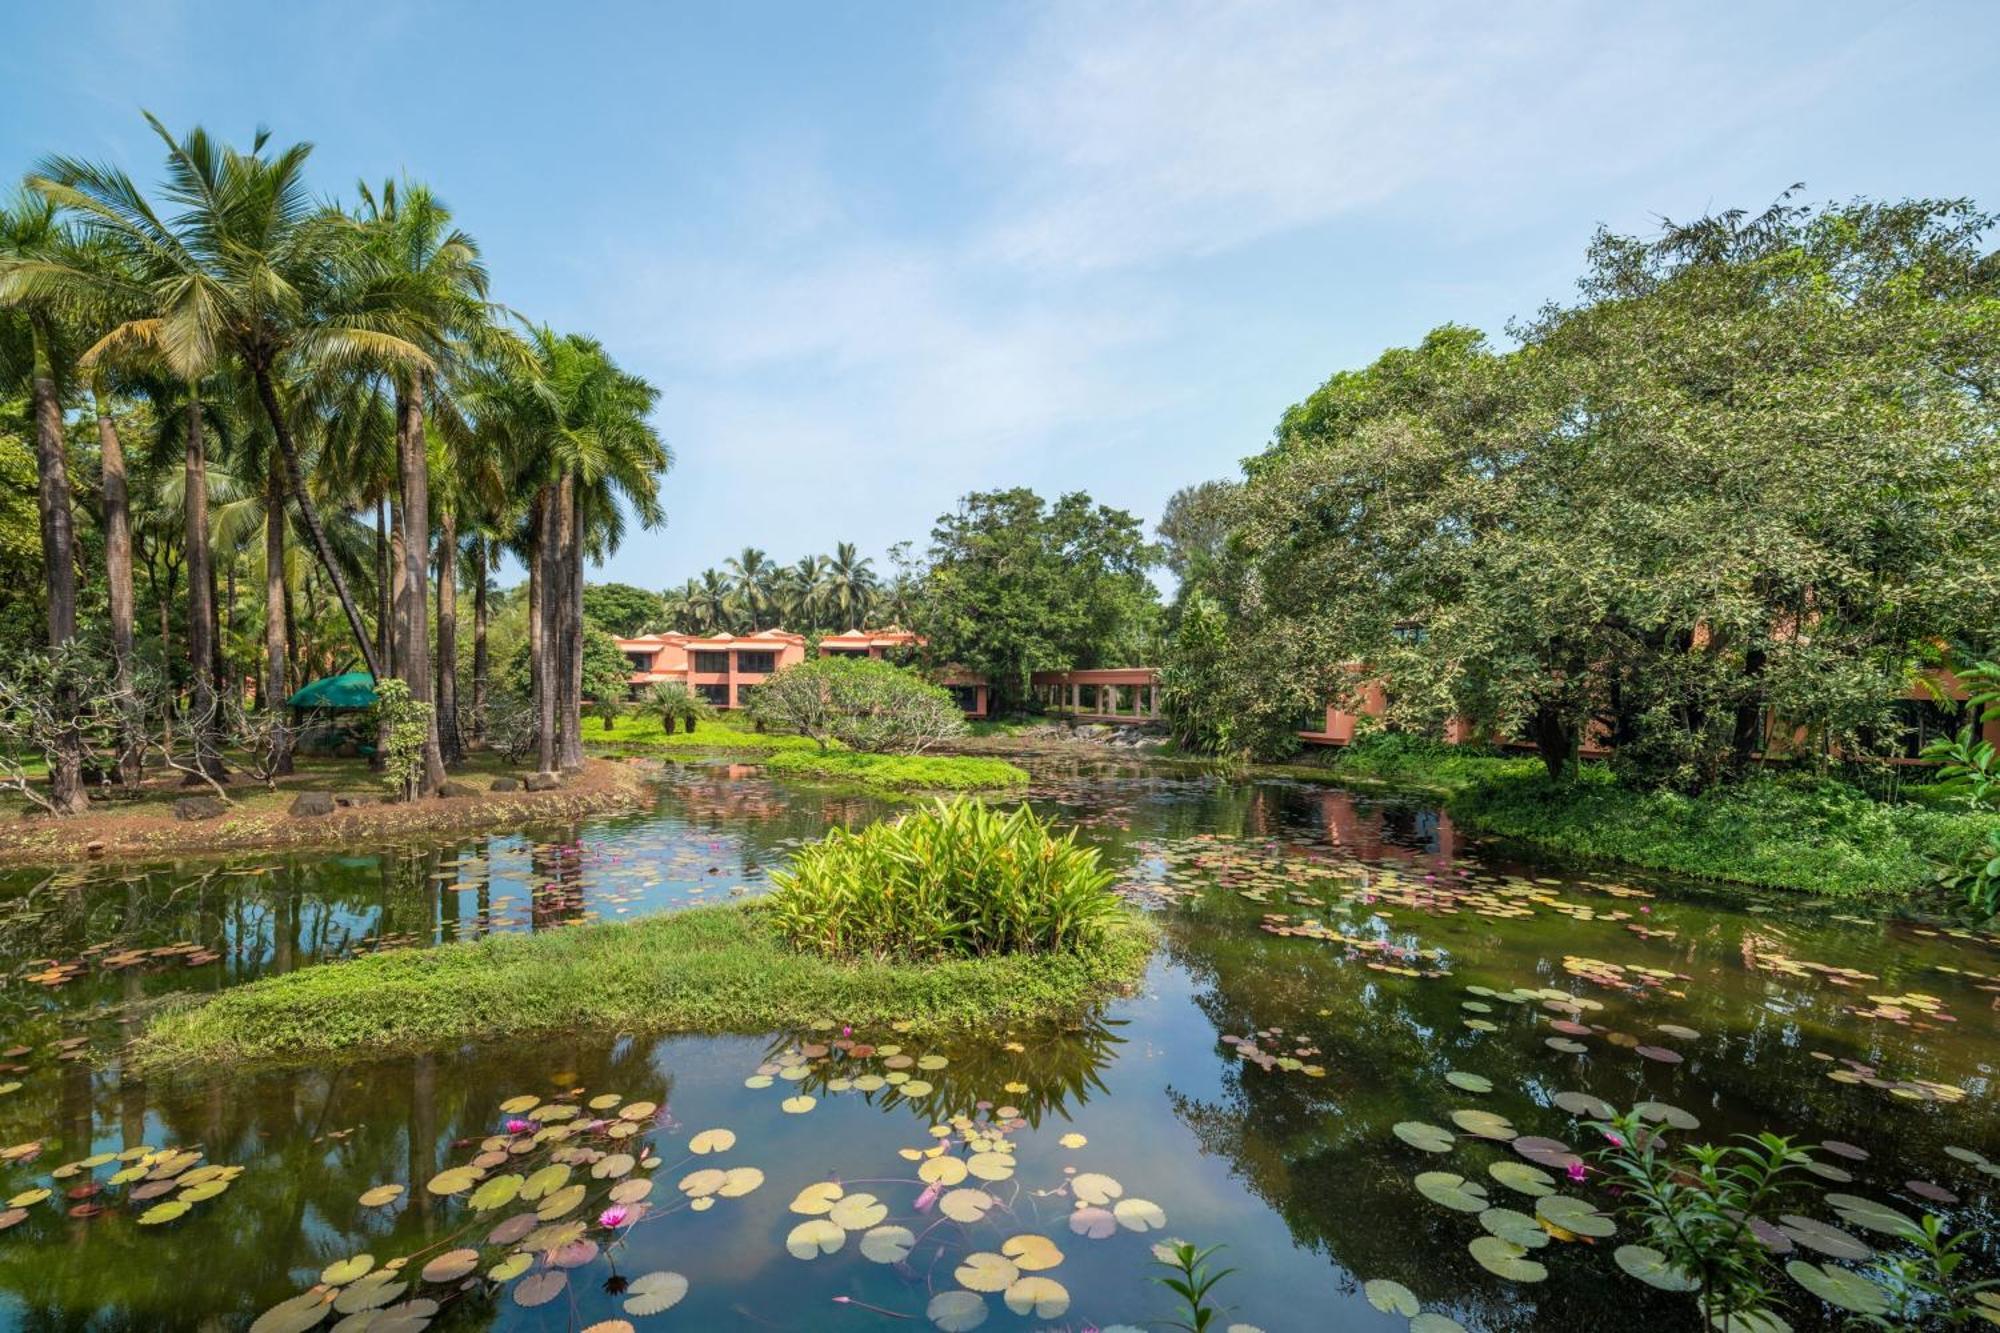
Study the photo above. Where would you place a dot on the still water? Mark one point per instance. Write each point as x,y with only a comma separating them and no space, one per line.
1275,1087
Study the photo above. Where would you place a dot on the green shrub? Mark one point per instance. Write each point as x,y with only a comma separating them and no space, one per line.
860,703
957,880
900,772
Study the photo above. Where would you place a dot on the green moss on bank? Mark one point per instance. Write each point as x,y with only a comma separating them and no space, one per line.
705,970
1787,832
708,737
896,772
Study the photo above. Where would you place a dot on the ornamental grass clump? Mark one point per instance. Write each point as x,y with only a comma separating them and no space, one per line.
957,880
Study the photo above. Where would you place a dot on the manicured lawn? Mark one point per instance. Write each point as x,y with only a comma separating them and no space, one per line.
896,772
716,736
708,969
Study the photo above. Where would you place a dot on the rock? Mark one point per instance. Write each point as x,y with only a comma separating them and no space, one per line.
310,803
357,800
505,784
199,807
543,781
457,789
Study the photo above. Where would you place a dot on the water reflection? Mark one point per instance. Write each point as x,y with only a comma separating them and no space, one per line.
1352,952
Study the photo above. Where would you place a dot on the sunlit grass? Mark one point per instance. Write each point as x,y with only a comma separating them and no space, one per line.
898,772
709,734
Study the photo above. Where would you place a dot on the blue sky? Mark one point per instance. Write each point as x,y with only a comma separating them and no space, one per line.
876,256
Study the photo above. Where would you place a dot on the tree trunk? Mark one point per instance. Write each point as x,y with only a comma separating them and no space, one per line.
118,580
58,569
479,664
204,701
569,618
540,646
1555,741
414,472
450,744
384,621
276,650
322,549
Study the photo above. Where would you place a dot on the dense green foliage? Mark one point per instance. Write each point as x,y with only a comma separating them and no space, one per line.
960,879
707,969
859,702
1398,758
621,609
897,772
1013,585
1748,473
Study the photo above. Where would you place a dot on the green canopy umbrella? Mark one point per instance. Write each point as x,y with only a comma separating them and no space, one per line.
356,689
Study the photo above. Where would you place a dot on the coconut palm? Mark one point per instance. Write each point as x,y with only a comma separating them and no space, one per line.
43,347
250,269
850,586
750,578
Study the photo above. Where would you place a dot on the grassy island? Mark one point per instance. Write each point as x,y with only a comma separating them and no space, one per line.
723,968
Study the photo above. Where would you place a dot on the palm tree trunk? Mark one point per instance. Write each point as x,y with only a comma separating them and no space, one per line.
384,633
322,549
204,700
479,664
118,578
275,636
569,619
541,600
58,569
413,471
450,744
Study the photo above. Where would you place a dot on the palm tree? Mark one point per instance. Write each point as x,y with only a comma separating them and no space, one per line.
850,585
30,234
417,264
750,576
251,268
714,607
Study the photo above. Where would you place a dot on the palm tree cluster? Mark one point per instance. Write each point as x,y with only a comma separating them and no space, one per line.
816,594
291,373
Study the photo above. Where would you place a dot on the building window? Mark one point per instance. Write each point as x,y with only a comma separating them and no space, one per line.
640,661
711,663
715,694
756,664
965,696
843,652
744,694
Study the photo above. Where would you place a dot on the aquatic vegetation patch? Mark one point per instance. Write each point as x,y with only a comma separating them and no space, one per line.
899,772
957,880
560,1181
725,968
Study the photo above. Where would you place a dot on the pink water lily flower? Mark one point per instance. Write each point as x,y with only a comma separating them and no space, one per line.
1577,1172
614,1217
518,1126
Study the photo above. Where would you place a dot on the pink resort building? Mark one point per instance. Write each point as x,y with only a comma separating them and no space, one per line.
720,667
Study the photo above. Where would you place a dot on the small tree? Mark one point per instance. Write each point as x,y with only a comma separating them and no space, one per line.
861,703
404,722
672,702
51,702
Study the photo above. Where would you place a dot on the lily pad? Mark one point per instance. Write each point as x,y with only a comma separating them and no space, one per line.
1503,1258
814,1237
540,1288
1424,1137
344,1271
305,1311
1452,1190
966,1205
655,1292
983,1270
857,1212
1139,1215
1651,1267
1031,1253
451,1266
1517,1227
956,1311
888,1245
1469,1082
712,1140
1840,1288
1095,1189
1390,1297
1523,1178
1093,1223
1585,1105
1043,1297
1576,1216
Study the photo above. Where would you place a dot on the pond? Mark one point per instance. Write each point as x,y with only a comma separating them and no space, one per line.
1348,997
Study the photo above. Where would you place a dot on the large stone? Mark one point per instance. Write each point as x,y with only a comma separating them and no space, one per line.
312,803
199,807
543,781
504,783
457,789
